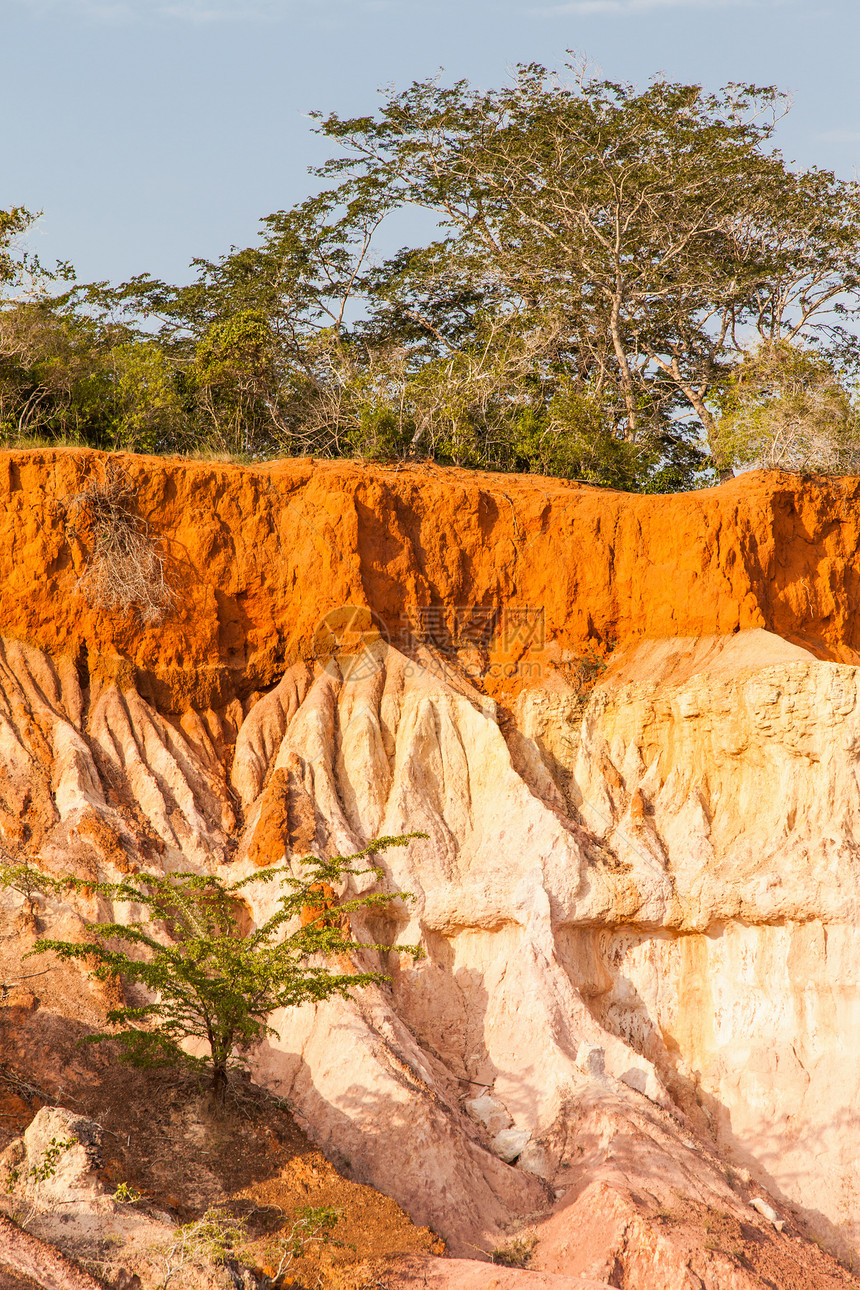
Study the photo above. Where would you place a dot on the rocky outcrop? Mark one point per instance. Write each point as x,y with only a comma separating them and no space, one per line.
26,1262
638,892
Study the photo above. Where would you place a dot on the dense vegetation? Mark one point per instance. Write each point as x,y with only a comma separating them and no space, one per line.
628,287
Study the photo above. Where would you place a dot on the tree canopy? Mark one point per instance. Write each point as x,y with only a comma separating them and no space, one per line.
604,261
210,977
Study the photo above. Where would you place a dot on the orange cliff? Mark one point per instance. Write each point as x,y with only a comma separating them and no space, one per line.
633,1028
256,556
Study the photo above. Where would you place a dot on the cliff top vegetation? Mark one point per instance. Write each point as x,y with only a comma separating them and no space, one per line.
630,287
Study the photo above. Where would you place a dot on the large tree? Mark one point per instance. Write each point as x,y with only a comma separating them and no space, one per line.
600,261
14,222
646,237
259,340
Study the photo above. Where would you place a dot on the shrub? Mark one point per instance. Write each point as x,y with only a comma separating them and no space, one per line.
212,982
517,1253
124,567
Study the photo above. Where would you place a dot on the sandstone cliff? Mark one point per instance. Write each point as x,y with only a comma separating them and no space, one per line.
628,726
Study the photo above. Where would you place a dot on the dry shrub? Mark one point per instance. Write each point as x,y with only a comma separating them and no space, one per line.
124,567
517,1253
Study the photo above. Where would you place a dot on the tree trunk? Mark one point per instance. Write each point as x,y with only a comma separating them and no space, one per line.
219,1082
627,386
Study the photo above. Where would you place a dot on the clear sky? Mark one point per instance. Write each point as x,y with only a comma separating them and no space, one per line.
152,131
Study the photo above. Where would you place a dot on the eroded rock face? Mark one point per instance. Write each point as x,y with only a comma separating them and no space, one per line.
60,1155
26,1261
638,900
747,996
256,557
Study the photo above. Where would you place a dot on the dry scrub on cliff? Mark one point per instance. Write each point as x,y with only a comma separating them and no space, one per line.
124,568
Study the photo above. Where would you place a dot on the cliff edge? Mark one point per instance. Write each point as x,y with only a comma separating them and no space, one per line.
629,727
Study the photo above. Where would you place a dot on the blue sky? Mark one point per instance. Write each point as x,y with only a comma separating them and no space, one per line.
152,131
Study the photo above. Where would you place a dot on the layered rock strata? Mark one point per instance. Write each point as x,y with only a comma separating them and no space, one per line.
638,892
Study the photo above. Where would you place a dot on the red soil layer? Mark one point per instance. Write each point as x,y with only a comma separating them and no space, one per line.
258,555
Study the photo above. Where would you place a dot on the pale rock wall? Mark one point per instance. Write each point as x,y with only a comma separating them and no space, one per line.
742,792
638,904
597,923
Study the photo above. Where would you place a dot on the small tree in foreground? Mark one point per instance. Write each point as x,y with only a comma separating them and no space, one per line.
212,981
